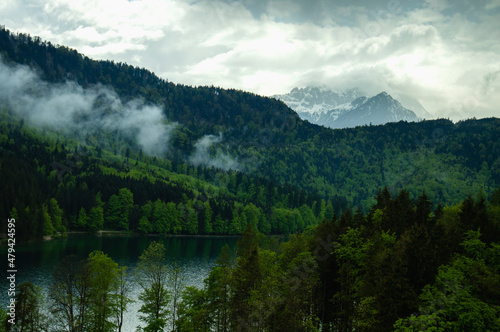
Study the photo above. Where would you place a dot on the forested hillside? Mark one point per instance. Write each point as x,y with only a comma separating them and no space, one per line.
52,185
268,139
152,156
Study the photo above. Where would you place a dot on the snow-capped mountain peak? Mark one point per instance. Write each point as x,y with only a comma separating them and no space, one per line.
311,102
345,108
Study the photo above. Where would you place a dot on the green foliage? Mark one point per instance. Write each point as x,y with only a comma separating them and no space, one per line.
103,273
113,215
48,227
347,274
56,214
153,311
95,219
218,286
153,279
177,283
193,311
88,295
104,193
245,278
82,222
464,295
3,320
28,308
350,252
329,169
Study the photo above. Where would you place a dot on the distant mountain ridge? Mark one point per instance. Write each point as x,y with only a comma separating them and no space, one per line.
344,109
312,103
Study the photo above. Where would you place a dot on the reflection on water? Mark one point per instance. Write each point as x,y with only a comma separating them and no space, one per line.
35,262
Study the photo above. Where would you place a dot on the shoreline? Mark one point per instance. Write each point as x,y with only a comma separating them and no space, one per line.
116,233
110,232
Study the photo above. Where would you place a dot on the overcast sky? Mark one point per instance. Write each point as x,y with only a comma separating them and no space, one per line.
445,54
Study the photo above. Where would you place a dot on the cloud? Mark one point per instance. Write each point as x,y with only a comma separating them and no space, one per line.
492,4
419,49
207,154
71,108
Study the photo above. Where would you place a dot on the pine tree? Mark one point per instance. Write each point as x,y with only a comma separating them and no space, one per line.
126,199
113,212
207,221
218,290
219,225
160,221
246,277
95,219
48,228
82,219
56,214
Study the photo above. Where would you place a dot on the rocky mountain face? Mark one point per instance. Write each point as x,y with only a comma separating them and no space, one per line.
343,109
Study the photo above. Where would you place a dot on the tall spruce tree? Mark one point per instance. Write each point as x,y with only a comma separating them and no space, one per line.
246,278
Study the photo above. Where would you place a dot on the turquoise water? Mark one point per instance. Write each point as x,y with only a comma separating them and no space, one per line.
35,262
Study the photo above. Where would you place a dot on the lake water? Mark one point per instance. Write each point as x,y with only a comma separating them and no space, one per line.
35,262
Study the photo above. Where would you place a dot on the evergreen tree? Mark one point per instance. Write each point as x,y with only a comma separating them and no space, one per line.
246,278
207,221
218,290
219,225
95,219
126,200
193,311
48,228
56,214
113,212
82,222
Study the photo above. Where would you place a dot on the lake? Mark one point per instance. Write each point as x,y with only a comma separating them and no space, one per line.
35,262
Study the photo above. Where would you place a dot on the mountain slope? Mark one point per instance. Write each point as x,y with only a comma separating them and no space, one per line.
345,109
312,103
413,104
268,139
379,109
